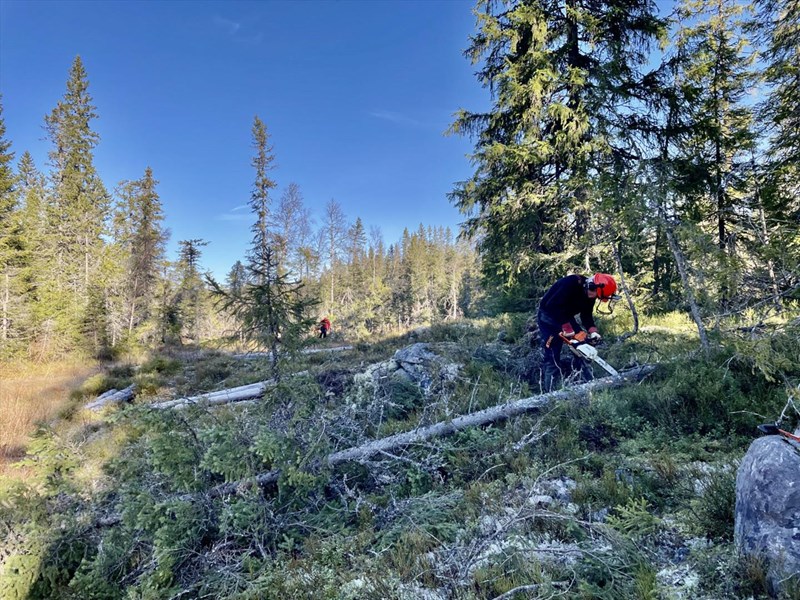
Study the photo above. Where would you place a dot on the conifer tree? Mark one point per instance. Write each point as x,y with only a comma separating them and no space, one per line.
777,201
78,205
31,279
9,233
143,240
560,76
189,300
706,160
263,236
269,308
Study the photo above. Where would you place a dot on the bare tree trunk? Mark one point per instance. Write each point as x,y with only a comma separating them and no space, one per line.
695,309
6,301
770,263
443,428
624,286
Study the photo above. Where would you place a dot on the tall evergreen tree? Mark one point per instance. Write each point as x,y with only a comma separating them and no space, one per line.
78,206
561,76
777,200
189,300
263,236
270,309
143,242
9,233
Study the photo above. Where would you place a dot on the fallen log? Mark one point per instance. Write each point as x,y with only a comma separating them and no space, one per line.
252,355
226,396
443,428
112,396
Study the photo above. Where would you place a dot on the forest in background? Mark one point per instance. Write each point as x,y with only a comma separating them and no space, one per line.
84,269
662,148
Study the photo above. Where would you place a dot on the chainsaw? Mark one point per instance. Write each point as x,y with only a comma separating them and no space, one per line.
581,348
774,429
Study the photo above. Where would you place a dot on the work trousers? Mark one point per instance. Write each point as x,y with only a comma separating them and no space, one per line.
554,370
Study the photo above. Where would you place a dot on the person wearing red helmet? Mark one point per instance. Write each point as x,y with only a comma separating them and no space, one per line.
569,296
324,327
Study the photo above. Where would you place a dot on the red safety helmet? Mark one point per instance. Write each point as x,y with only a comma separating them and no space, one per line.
604,285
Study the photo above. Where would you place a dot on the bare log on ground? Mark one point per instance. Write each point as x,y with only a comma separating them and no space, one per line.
443,428
112,397
251,355
227,396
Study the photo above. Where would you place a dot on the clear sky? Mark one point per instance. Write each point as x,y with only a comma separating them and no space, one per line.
356,96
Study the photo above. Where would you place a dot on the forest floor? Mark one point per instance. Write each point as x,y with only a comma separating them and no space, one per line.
622,494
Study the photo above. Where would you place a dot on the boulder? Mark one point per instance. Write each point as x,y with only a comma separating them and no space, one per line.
417,364
768,508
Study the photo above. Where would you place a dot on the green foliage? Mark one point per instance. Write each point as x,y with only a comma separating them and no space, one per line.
595,492
635,519
713,510
161,365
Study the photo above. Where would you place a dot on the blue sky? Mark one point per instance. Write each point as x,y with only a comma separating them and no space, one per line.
356,96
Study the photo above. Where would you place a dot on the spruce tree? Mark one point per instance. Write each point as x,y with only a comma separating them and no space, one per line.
269,308
189,299
78,205
145,246
263,236
561,77
10,243
777,201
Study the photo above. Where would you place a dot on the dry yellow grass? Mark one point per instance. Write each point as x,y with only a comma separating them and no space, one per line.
31,394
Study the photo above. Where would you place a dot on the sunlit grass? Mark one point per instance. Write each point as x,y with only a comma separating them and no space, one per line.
31,394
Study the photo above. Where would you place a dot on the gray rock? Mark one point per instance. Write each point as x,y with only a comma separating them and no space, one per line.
768,507
414,374
496,354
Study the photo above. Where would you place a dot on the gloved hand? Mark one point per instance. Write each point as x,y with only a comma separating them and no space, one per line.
568,334
595,338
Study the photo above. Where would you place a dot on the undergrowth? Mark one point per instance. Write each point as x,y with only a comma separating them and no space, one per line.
587,499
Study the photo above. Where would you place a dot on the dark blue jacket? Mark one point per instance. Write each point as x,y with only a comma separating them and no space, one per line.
565,299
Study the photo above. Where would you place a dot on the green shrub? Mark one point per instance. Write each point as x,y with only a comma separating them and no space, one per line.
161,365
714,509
634,519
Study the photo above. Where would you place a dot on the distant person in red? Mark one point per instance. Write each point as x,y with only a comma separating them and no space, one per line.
569,296
324,327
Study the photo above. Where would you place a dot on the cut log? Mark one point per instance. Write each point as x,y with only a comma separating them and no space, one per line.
252,355
112,397
227,396
443,428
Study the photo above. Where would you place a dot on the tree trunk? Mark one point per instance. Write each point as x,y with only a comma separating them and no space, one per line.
6,301
624,286
770,264
493,414
676,252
